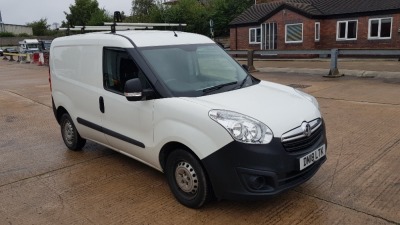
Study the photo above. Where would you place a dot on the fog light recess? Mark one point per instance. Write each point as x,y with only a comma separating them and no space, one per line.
256,182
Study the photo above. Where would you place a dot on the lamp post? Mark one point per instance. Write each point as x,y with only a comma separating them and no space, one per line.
1,30
212,29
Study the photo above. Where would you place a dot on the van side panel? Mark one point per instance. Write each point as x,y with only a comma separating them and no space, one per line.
77,79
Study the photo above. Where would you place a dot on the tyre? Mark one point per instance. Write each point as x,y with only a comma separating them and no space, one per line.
187,179
70,135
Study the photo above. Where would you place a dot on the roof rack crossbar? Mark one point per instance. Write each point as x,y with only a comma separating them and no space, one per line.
148,24
103,28
118,25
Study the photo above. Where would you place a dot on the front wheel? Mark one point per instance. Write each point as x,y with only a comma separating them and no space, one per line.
70,135
187,179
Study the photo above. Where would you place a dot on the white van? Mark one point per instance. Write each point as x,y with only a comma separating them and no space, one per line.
29,45
179,103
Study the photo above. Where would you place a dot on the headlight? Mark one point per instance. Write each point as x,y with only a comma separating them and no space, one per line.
308,97
242,128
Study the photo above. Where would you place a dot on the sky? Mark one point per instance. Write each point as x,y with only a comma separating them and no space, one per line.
21,12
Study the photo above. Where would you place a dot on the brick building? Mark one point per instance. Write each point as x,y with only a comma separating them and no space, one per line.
318,24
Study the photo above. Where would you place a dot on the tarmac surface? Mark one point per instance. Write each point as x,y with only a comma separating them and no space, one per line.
41,182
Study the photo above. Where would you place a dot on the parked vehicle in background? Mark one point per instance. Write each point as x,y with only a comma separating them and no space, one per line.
1,52
10,50
29,45
44,45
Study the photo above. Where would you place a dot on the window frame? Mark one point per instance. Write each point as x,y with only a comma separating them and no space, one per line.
286,34
255,35
346,30
317,35
105,66
379,28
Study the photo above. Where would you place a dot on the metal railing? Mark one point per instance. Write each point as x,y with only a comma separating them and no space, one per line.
334,54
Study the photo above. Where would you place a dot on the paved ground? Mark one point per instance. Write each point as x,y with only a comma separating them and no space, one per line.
41,182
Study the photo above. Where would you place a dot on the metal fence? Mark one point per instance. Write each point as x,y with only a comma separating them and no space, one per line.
334,54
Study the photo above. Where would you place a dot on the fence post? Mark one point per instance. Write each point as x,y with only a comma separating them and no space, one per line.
334,71
250,61
28,58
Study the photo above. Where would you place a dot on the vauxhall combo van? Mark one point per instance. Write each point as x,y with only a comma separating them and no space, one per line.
179,103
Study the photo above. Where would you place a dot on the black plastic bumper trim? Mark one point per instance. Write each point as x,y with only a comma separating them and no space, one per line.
110,132
233,169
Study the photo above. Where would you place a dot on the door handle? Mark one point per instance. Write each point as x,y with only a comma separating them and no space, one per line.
101,104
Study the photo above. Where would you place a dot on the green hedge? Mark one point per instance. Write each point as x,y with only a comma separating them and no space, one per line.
24,35
6,34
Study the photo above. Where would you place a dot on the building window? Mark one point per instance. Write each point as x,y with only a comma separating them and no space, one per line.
294,33
347,30
380,28
317,31
255,35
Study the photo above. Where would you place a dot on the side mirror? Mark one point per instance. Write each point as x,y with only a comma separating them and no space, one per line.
133,90
245,67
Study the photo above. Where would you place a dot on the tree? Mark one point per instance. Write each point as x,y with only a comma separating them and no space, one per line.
141,7
141,10
40,27
6,34
85,13
195,13
56,25
192,12
224,11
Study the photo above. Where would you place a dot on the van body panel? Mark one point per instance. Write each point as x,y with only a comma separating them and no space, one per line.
179,120
79,81
270,97
133,120
98,38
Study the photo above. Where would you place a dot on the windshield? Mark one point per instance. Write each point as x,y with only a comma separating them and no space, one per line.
195,70
30,46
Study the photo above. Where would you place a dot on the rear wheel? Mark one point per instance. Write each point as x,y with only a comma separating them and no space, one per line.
187,179
70,135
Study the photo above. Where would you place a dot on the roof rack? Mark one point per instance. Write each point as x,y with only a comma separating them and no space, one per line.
148,24
117,25
104,28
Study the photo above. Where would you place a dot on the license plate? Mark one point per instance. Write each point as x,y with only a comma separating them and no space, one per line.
312,157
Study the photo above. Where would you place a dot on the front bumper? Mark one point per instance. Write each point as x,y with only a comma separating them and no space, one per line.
249,172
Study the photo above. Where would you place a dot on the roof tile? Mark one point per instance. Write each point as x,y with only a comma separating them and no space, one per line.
321,8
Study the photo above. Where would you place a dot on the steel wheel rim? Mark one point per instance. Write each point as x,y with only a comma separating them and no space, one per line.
68,132
186,178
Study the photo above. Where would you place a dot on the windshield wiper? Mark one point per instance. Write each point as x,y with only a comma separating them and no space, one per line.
244,81
217,87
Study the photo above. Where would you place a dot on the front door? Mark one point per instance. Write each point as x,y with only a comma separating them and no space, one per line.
127,125
269,36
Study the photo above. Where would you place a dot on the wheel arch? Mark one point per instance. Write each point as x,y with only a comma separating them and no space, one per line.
170,147
59,112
